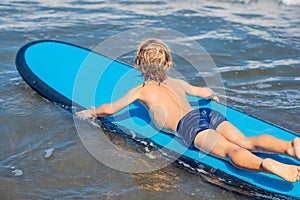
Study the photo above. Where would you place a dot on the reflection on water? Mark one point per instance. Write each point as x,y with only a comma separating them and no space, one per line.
160,180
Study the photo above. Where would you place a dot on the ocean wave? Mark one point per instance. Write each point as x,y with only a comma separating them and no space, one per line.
250,65
285,2
290,2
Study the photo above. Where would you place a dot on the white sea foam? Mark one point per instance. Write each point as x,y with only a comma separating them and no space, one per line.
49,152
18,172
263,86
147,149
285,2
133,134
9,72
15,79
150,155
260,65
290,2
201,171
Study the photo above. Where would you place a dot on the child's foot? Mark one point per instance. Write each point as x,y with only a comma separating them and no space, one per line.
290,173
296,146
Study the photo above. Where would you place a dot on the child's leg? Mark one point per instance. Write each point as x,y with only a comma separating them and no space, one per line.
214,143
260,143
296,147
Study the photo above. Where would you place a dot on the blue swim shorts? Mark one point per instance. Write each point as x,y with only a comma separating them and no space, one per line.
196,121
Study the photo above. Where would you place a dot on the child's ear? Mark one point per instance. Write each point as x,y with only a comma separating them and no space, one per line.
138,67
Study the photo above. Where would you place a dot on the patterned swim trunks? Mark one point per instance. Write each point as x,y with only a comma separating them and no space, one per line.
196,121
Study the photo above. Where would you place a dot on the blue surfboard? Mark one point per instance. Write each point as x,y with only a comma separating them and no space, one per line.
71,75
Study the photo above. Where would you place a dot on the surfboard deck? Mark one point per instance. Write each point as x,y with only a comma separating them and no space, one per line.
70,75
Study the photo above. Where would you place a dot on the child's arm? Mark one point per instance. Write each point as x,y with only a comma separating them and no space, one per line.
110,108
203,92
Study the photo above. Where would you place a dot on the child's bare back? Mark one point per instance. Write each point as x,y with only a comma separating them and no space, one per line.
166,102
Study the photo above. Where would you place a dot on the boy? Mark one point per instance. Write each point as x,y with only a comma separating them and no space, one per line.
203,128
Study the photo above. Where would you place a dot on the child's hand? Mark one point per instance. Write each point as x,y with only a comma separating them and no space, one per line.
213,96
86,114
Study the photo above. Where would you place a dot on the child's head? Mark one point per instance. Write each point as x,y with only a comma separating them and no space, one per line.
154,59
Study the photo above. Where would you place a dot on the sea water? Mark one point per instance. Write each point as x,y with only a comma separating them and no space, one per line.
254,44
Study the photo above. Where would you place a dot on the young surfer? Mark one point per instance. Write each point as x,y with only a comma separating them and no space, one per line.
203,128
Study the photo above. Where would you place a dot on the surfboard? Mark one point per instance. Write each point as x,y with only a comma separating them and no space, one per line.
70,75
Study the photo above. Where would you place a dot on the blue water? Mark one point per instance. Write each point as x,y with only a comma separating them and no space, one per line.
254,44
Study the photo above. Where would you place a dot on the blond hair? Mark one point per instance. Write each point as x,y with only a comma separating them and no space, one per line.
154,60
